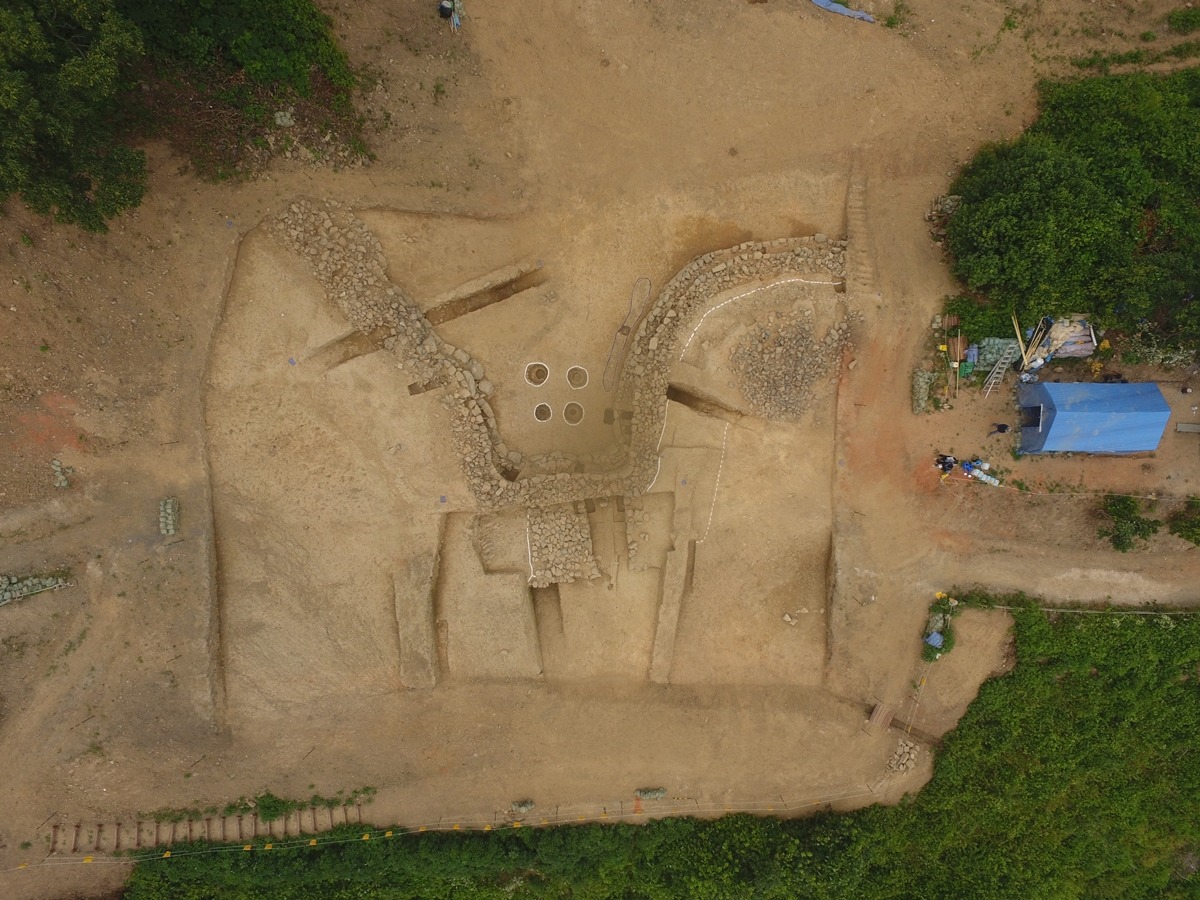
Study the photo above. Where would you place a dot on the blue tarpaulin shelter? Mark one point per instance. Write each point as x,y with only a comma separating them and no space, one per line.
1091,418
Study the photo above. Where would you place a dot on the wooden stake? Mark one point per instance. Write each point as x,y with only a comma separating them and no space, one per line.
1020,341
957,364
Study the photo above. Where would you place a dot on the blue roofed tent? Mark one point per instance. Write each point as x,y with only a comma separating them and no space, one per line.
1091,418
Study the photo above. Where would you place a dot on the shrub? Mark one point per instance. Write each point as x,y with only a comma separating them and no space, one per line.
229,63
1186,522
1128,524
980,319
67,110
1035,223
275,42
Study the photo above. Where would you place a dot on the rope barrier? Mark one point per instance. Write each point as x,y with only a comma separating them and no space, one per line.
1103,612
947,480
717,486
755,290
917,700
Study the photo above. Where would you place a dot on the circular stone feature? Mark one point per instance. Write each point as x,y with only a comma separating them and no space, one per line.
577,377
573,413
542,412
536,373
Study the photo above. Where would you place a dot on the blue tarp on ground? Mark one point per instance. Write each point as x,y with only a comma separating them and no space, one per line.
843,10
1093,418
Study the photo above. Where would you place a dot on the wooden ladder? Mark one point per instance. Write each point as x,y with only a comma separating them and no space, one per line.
1000,369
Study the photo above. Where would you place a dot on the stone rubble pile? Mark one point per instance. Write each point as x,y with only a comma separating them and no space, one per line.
168,516
348,261
650,793
60,474
637,523
560,545
904,758
922,384
778,363
13,587
944,208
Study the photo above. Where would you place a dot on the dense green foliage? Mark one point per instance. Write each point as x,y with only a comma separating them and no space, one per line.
979,318
61,76
275,42
67,68
1184,21
1095,209
1126,525
1186,522
1075,775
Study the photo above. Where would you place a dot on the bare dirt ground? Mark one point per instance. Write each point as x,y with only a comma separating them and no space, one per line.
333,561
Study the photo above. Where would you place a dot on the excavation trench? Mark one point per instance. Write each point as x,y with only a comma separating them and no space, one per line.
706,406
351,346
461,306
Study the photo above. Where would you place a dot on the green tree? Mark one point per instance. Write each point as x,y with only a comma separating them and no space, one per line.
61,75
1036,230
1095,209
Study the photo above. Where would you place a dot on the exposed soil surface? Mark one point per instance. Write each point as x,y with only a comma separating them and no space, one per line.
342,606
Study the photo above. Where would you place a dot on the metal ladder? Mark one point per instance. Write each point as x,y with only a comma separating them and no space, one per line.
1000,369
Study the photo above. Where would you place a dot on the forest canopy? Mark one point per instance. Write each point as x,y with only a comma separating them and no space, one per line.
63,68
69,111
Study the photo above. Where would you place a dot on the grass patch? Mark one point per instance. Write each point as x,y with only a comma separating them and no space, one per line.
1184,21
75,642
267,806
900,15
1104,62
270,807
978,318
225,125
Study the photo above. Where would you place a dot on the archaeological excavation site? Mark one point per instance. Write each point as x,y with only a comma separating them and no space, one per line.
552,459
486,508
510,519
